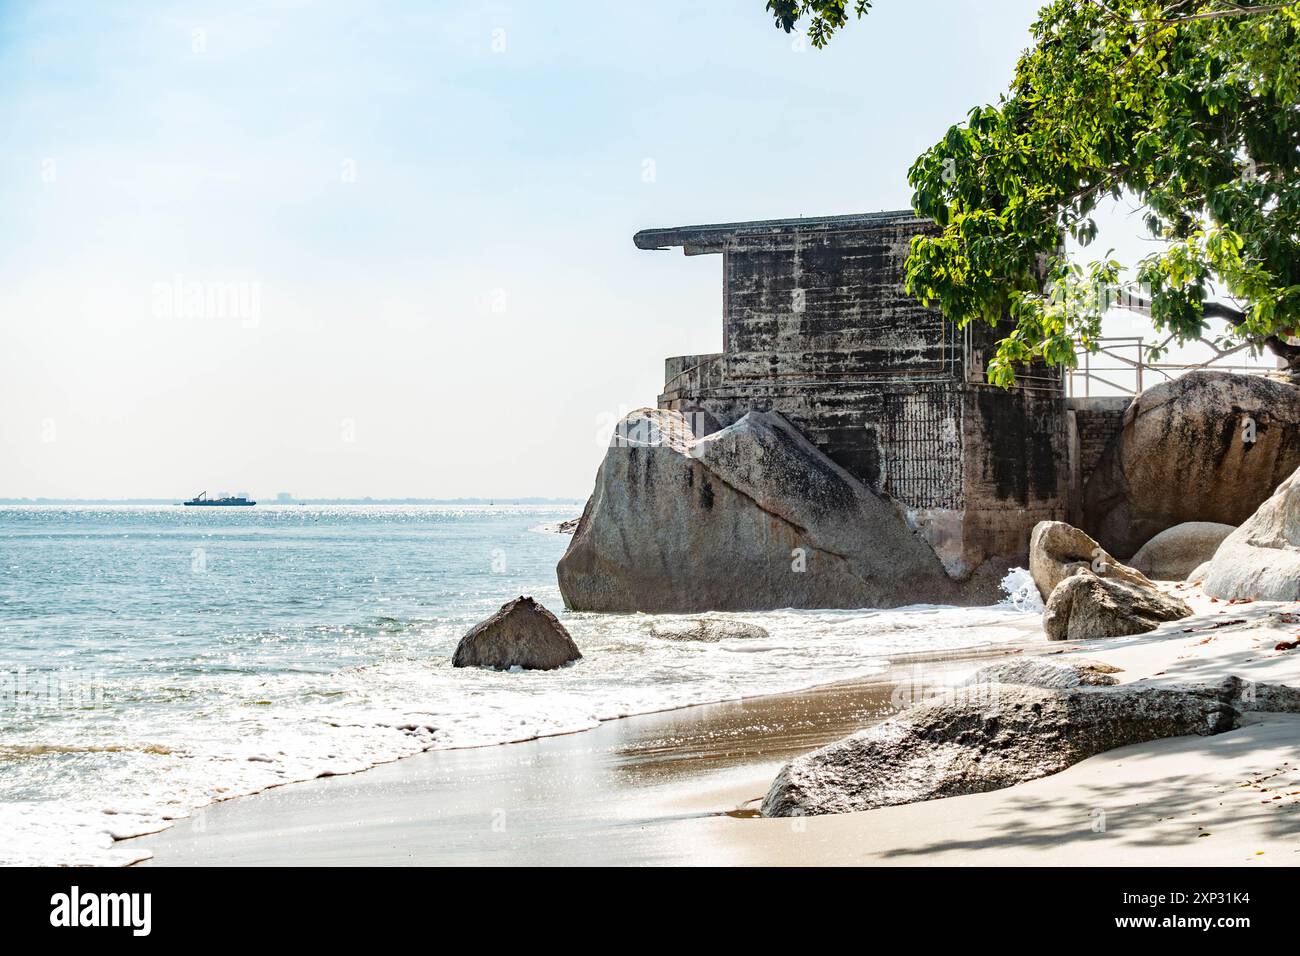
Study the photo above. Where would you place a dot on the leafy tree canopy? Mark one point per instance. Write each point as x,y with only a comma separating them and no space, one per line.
1191,106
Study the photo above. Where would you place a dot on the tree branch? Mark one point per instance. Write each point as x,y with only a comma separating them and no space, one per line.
1238,10
1211,310
1218,14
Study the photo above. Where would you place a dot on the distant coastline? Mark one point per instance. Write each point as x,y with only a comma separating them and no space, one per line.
303,501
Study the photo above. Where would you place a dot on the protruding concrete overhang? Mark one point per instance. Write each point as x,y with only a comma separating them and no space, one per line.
703,240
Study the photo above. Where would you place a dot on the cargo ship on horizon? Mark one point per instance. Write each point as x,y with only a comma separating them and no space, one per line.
202,500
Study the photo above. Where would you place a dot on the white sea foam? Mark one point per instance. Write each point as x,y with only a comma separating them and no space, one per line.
1022,592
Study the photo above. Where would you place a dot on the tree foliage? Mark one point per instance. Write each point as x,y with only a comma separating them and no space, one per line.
1191,106
823,17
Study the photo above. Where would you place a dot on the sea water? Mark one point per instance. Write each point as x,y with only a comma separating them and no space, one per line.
155,659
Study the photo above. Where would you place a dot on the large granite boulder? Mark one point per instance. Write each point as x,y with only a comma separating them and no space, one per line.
1261,559
1176,552
1184,454
997,735
1085,607
522,634
750,517
1057,550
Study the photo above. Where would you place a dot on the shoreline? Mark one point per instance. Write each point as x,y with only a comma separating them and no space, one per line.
743,732
428,705
682,786
122,847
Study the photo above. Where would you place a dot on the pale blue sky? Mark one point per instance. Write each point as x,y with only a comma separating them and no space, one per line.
438,232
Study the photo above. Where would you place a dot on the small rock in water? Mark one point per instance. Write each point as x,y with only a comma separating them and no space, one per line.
708,630
523,634
567,526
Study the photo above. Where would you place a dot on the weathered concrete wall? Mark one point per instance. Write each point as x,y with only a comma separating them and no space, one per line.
818,326
687,375
1097,421
1016,447
1092,424
828,305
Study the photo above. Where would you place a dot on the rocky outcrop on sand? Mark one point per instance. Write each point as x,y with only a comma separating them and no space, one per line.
707,630
1046,672
1057,550
996,735
1085,607
1208,446
1261,559
522,634
749,517
1176,552
1089,594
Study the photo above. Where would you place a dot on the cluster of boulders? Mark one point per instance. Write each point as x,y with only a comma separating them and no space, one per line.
725,518
1205,447
689,516
1088,593
1180,491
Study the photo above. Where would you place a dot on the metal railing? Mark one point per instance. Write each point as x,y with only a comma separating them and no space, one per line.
1120,365
1125,358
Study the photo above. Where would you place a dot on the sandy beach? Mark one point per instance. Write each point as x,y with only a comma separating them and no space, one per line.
681,787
